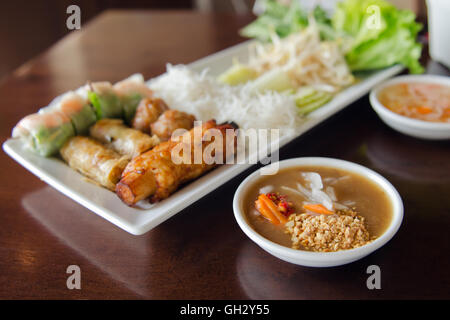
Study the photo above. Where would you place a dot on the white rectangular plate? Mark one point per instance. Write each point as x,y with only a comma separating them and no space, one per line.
140,220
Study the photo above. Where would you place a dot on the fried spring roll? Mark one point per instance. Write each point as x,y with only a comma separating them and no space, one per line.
154,174
124,140
94,160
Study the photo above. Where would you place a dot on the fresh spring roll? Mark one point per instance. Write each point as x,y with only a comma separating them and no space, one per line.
124,140
94,160
77,109
44,133
131,91
104,100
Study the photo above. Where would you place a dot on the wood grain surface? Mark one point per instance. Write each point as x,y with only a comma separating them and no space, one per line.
201,253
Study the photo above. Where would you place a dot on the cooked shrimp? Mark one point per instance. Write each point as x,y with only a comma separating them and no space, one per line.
133,85
36,121
71,104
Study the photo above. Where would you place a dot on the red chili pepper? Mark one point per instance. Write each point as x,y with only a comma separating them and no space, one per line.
285,207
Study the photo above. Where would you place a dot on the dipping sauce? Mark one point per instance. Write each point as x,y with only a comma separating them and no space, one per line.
421,101
357,204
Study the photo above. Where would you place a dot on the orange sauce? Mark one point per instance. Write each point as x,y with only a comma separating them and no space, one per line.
422,101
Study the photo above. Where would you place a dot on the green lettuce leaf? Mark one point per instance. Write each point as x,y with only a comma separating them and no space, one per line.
283,20
130,103
382,35
95,101
106,105
48,141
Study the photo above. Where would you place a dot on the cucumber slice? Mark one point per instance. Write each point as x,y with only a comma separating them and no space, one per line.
304,93
310,99
308,108
236,74
273,80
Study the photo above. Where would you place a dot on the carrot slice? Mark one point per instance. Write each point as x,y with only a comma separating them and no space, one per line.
265,211
317,208
273,208
424,110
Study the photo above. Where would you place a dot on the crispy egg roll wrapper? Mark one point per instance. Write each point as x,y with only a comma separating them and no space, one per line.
124,140
94,160
154,174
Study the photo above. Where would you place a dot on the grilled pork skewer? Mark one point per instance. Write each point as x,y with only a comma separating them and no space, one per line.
170,121
148,111
154,174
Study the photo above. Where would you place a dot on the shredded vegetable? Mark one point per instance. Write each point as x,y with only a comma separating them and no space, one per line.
313,70
306,60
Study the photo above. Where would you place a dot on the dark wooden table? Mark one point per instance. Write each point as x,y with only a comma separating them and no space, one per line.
201,253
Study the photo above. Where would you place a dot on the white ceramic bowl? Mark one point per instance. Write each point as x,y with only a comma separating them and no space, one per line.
320,259
413,127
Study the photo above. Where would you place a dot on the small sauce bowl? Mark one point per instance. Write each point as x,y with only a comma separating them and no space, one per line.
409,126
320,259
